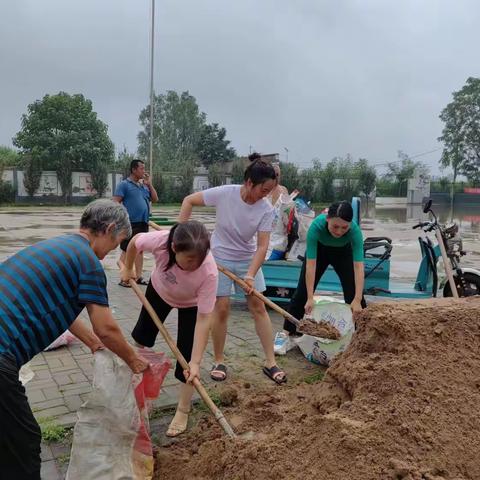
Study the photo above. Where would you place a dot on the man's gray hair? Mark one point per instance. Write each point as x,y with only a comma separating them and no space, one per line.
101,213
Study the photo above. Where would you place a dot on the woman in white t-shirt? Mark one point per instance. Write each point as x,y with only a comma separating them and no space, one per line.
185,277
239,243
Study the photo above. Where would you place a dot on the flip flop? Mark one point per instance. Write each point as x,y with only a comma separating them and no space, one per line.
124,284
221,372
175,429
276,374
141,281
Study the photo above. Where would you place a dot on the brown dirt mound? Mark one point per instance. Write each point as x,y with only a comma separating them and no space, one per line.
319,329
402,403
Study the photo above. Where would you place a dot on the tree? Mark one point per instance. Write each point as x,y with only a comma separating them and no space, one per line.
9,157
212,146
215,175
401,171
367,177
461,133
63,132
123,161
327,177
177,130
99,175
32,172
289,175
238,171
307,183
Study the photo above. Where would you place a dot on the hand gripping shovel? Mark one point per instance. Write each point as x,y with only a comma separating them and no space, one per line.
173,347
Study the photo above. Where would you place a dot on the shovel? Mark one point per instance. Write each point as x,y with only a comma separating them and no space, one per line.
313,326
181,359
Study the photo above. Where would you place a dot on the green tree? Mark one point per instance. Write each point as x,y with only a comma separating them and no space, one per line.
177,130
327,176
307,183
32,172
9,157
461,133
215,175
289,175
99,174
238,170
213,147
400,172
123,161
347,176
63,132
367,177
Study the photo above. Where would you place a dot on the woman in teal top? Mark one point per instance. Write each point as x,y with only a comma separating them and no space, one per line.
332,239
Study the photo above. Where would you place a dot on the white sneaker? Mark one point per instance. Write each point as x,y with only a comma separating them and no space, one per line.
282,344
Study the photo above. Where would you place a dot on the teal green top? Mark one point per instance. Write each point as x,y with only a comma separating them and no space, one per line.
318,233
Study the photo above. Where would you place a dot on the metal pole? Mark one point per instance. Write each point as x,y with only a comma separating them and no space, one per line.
151,86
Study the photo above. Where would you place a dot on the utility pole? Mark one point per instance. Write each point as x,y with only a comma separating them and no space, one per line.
286,152
151,86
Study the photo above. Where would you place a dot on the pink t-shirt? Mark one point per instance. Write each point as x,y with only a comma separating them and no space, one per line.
180,288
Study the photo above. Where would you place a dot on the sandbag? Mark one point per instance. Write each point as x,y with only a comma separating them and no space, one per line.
322,350
111,438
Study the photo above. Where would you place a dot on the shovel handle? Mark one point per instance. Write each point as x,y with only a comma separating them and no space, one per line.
181,359
257,294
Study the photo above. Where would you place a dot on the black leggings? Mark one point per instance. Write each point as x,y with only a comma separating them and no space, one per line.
145,331
341,259
19,431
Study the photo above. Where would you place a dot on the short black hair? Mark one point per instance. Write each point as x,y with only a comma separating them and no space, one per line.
135,163
341,210
259,171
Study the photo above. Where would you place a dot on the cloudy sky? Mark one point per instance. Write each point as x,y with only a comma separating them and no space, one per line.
318,77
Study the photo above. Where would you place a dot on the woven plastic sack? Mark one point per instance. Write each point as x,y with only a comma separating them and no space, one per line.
323,350
111,438
66,338
278,236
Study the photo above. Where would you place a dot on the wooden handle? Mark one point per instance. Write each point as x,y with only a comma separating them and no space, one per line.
181,359
257,294
154,225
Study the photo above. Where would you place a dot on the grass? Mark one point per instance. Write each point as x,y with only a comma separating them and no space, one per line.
215,396
52,432
63,459
314,378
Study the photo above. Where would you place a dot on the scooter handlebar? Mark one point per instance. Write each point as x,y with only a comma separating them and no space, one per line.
423,225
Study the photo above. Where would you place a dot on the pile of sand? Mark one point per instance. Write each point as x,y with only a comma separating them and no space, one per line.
403,402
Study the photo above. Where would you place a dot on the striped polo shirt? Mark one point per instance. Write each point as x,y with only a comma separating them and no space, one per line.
43,288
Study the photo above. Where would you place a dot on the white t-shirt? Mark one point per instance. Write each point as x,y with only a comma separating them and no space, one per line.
234,237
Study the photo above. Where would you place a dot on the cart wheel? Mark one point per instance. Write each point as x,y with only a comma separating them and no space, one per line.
472,286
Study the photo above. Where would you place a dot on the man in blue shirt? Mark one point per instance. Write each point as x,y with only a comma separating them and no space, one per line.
136,192
43,289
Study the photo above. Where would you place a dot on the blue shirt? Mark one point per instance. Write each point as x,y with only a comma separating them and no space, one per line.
43,289
135,198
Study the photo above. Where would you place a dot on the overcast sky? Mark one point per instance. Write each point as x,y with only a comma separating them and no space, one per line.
319,77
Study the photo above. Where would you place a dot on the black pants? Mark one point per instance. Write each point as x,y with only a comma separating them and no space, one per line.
341,259
20,434
137,227
145,331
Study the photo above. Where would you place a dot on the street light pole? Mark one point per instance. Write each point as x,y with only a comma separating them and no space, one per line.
151,86
286,151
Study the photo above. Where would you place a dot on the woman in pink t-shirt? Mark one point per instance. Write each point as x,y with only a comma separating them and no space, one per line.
185,277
